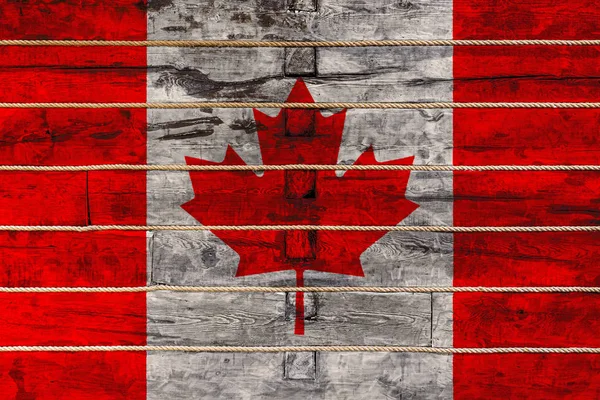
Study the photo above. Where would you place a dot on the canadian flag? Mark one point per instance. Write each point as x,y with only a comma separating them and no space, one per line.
297,257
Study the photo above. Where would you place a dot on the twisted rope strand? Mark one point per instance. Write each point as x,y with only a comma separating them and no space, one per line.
323,105
362,228
309,289
278,349
302,167
319,43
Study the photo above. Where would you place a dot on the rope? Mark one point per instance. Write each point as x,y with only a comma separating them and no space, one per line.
363,228
278,349
313,289
334,43
320,106
339,167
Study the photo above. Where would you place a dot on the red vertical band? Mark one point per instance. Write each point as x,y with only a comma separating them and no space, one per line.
526,137
73,137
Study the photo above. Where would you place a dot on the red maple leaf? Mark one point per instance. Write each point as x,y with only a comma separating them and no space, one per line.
299,198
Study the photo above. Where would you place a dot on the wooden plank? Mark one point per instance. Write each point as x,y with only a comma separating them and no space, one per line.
524,259
539,19
26,197
189,376
248,319
535,198
530,319
493,137
55,319
73,19
72,74
398,259
176,134
379,74
72,259
54,376
71,136
541,376
289,20
406,74
526,73
257,74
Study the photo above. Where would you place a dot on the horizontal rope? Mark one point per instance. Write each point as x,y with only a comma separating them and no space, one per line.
305,289
319,43
323,105
338,167
278,349
363,228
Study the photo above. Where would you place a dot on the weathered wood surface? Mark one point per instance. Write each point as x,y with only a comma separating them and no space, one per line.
442,320
46,137
336,376
259,74
398,259
299,19
74,19
263,319
175,134
405,74
200,258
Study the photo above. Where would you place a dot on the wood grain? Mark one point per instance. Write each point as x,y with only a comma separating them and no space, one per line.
255,319
338,375
398,259
258,74
533,19
295,20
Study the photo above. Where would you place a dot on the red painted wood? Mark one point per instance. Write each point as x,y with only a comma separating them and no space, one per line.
320,198
26,198
117,197
534,320
73,19
527,198
73,137
72,319
72,259
531,19
526,137
523,376
78,74
300,184
81,376
526,73
527,259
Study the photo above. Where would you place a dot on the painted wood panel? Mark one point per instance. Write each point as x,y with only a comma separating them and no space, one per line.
299,19
337,375
263,319
258,74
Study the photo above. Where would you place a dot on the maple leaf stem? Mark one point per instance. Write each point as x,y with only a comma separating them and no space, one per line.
299,325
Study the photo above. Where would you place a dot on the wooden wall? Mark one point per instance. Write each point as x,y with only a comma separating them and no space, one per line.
201,258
